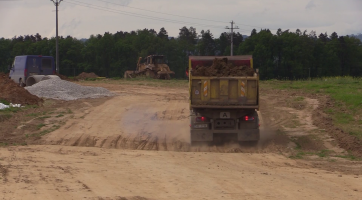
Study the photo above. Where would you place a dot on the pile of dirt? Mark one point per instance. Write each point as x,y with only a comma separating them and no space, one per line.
222,68
85,75
13,93
66,78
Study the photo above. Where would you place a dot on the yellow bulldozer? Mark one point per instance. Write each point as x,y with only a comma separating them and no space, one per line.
153,67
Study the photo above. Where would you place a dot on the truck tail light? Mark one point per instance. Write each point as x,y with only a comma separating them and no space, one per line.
200,119
53,72
25,72
248,118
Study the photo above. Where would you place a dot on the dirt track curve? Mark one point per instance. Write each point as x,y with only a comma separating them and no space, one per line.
135,146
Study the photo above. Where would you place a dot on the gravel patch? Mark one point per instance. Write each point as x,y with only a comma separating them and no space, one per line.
65,90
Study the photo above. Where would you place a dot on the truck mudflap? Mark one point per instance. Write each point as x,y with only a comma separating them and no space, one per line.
241,135
201,136
236,126
249,135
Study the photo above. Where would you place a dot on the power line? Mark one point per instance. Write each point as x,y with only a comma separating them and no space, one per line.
174,14
79,3
162,12
138,15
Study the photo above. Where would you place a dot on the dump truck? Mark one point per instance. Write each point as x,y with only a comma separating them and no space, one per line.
223,106
153,67
28,70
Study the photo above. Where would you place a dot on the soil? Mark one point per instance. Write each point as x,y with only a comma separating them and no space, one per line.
124,147
85,75
66,78
345,140
221,68
13,93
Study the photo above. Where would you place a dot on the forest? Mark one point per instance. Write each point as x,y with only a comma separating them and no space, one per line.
281,55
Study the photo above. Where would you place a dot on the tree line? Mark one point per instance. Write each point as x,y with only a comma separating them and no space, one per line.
283,55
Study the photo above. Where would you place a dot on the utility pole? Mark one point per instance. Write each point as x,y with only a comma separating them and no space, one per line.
57,3
232,36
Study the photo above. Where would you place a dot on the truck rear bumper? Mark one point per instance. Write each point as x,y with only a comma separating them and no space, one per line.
208,135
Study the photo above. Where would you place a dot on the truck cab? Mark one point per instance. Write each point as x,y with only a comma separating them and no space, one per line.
26,66
155,59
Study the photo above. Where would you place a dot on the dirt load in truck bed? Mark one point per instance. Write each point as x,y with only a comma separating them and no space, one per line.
222,68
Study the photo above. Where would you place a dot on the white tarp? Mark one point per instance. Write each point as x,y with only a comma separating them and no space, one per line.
3,106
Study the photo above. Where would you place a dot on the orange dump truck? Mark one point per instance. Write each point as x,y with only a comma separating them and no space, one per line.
224,99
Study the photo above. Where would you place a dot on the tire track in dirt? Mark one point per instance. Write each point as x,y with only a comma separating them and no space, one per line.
161,123
4,172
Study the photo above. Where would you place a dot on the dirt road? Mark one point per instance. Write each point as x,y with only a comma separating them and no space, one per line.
56,172
135,146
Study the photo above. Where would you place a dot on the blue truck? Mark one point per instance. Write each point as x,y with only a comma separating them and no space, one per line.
27,70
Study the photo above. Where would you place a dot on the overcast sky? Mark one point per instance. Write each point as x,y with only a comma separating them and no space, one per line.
23,17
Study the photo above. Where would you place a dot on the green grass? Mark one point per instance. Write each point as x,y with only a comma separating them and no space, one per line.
10,110
324,153
36,114
298,155
346,91
7,113
328,154
44,132
3,101
349,157
298,99
44,117
3,144
33,114
39,126
301,154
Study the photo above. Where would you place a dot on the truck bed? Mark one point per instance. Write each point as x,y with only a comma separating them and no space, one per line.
232,92
223,92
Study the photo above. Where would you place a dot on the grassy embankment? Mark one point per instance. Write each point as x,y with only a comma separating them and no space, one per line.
345,91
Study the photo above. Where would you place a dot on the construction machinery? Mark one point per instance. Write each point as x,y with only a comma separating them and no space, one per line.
153,67
223,107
